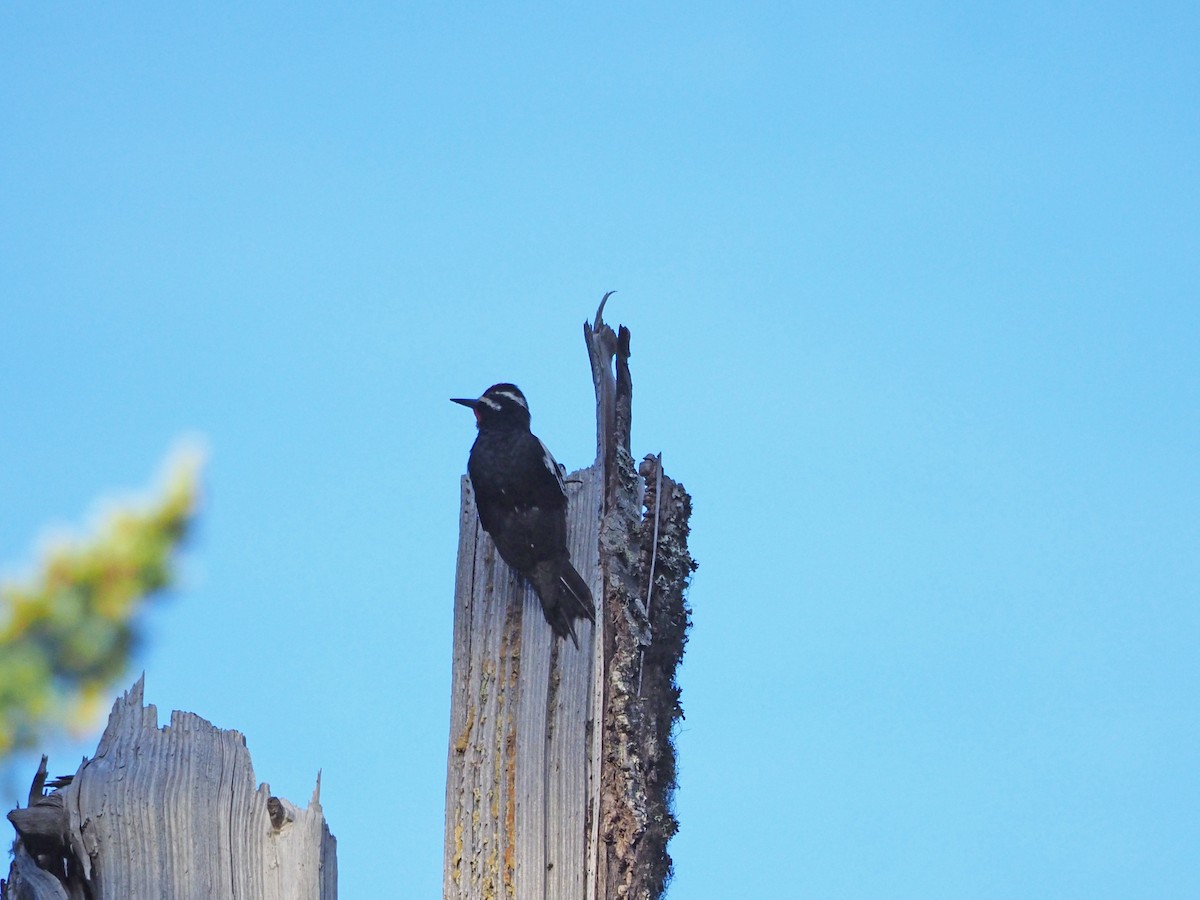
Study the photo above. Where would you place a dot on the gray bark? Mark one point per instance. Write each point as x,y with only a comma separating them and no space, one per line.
560,765
170,812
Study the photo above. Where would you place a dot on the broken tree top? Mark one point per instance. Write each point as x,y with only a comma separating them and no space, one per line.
172,812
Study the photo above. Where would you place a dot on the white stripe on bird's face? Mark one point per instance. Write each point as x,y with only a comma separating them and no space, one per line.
515,398
490,403
548,461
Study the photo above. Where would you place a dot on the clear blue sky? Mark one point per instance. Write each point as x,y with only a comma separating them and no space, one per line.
914,301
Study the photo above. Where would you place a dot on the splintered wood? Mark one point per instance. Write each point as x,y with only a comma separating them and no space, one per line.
172,812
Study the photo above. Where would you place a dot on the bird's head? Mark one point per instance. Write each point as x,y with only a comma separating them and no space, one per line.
501,406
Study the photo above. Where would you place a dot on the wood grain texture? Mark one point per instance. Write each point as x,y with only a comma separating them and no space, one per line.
518,789
175,812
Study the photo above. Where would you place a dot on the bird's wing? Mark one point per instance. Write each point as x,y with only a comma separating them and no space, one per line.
549,462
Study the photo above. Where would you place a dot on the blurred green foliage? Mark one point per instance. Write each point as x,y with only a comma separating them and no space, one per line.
66,633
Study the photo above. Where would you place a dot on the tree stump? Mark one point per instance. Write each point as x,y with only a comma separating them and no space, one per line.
168,812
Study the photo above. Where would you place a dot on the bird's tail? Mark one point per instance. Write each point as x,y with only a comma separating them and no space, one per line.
565,596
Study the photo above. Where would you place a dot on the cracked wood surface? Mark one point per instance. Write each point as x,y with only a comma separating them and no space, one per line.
175,812
519,777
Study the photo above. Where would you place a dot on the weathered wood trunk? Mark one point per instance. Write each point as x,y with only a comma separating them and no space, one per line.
169,812
560,766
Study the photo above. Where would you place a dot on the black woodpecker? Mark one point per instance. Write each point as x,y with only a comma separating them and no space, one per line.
522,504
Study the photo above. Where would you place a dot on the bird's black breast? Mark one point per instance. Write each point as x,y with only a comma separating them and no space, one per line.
519,497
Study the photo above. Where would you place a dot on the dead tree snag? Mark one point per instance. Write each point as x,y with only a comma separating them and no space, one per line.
560,765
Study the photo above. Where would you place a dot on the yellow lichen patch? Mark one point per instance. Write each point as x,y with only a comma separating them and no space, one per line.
464,739
497,763
456,863
510,811
506,753
489,879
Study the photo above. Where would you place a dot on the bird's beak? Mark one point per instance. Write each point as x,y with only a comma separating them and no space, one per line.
471,403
